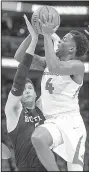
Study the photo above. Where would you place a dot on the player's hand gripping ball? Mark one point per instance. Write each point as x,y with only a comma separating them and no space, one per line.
47,16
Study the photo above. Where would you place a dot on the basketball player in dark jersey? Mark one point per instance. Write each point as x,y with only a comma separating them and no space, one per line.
22,115
26,158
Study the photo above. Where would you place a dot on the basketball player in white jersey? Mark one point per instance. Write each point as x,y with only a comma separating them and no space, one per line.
63,130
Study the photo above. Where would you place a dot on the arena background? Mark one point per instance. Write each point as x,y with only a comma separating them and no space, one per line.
74,15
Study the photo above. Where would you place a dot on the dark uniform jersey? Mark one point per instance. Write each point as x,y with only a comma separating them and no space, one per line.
26,158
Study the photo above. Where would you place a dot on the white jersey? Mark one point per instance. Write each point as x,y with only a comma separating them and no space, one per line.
59,94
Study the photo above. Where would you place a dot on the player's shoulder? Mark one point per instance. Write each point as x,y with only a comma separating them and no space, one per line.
77,64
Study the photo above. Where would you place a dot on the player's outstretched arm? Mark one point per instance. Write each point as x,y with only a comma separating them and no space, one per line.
38,62
13,105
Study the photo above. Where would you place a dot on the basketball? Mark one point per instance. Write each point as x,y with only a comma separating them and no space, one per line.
38,14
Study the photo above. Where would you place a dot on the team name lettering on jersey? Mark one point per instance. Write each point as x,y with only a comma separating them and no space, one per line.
29,119
36,120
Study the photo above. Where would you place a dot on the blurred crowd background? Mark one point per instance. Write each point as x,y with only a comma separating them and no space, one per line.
74,16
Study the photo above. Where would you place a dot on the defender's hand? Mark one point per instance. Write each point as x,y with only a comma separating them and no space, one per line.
30,28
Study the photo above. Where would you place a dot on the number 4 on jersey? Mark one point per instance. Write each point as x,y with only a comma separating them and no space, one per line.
49,86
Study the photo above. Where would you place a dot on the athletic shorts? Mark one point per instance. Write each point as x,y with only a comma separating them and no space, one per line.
69,136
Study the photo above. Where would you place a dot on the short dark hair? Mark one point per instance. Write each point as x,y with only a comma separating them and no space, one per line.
29,81
81,42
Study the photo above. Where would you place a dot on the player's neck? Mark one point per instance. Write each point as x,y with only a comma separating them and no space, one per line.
31,107
67,58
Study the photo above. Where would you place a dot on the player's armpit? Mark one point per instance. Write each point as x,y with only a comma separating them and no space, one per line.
12,118
13,110
38,63
12,101
72,67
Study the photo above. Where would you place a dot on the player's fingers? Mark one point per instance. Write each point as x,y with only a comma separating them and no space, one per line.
50,17
56,28
25,17
53,19
44,18
29,26
41,23
26,20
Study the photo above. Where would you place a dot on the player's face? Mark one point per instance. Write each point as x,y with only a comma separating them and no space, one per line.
66,47
29,94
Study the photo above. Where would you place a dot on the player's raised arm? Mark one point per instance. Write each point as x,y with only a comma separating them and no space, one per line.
38,62
19,55
48,31
13,105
